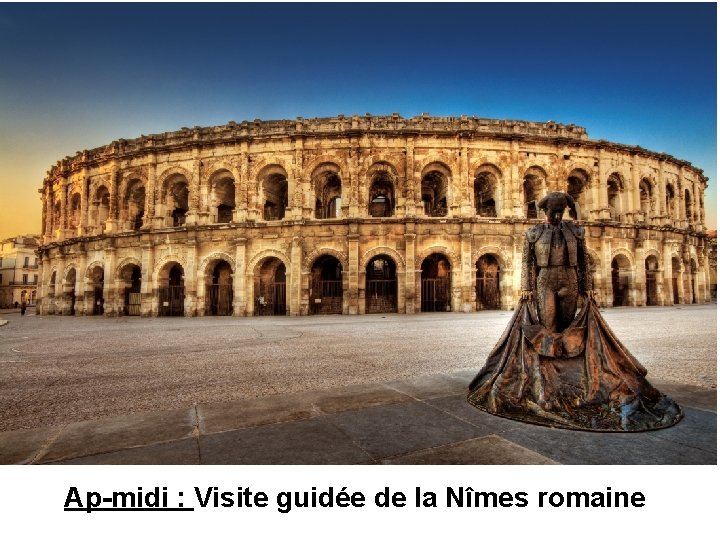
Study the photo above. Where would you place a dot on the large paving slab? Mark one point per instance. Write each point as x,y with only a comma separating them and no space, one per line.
24,445
182,452
489,450
305,442
120,432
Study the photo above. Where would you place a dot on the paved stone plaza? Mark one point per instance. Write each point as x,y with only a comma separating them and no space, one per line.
332,389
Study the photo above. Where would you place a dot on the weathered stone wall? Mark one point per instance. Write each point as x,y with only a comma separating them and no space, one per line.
298,190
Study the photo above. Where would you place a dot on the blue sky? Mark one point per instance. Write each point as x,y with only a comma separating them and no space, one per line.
80,76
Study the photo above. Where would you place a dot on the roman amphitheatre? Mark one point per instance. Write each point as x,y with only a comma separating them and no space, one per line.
358,214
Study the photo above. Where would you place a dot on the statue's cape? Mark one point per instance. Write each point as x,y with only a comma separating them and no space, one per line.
583,378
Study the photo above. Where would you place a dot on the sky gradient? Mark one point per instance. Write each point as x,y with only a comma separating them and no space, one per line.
80,76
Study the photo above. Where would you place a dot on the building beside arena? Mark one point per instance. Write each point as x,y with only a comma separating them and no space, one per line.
360,214
18,270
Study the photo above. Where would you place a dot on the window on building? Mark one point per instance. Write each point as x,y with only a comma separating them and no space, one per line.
35,278
25,276
0,279
27,261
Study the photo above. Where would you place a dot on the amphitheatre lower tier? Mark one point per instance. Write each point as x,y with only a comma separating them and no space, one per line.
358,215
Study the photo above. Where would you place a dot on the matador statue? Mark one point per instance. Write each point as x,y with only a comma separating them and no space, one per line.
556,364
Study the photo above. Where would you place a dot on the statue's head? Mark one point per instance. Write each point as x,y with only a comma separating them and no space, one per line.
554,205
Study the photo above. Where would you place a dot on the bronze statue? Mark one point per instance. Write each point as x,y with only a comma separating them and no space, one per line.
557,365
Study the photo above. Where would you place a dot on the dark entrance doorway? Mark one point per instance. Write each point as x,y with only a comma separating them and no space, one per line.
435,283
675,280
270,288
326,290
220,290
172,295
621,281
97,278
487,283
651,272
380,285
132,276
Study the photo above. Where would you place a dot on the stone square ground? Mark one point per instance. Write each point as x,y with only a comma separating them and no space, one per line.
331,389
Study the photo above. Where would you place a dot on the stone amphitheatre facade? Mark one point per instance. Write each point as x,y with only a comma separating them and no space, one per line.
360,214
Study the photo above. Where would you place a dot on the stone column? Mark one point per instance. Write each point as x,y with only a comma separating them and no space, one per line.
352,270
602,205
47,212
191,276
667,274
661,194
411,301
467,296
85,305
638,289
63,212
352,208
150,192
193,213
84,206
634,195
110,283
413,202
294,291
514,194
603,285
111,224
239,292
148,290
464,197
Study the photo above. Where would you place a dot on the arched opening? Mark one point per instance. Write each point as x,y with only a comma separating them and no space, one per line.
275,193
532,191
646,196
219,289
96,281
328,192
131,277
326,288
270,287
176,199
69,290
382,197
172,291
101,208
484,193
652,271
57,215
621,274
487,283
74,211
576,186
433,190
380,285
688,205
614,191
222,196
676,280
435,282
51,284
134,204
670,200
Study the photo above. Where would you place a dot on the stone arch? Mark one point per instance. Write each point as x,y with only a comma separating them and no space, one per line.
271,188
213,167
502,255
646,190
311,167
622,273
382,250
380,194
165,262
68,269
123,263
449,254
168,174
578,181
215,256
436,188
265,254
91,267
220,186
315,254
534,187
329,192
487,190
615,188
96,186
129,177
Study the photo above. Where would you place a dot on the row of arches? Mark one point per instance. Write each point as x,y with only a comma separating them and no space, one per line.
219,196
326,289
